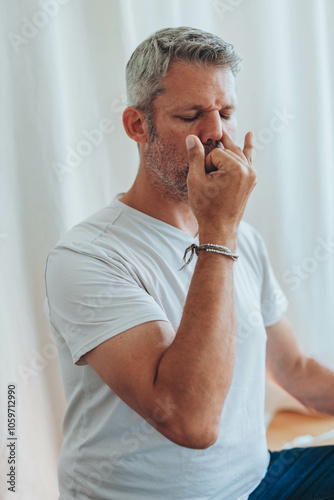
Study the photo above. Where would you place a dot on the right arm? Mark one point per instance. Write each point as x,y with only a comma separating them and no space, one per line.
179,381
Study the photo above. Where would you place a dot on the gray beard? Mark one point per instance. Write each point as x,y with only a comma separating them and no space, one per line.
168,170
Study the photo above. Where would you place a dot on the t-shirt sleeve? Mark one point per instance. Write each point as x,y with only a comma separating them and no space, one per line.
273,301
93,297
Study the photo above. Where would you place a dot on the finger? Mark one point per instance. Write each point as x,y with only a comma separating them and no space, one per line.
229,144
234,156
196,154
248,147
218,159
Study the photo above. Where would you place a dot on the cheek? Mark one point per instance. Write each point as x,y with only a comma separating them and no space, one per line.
176,139
231,129
170,132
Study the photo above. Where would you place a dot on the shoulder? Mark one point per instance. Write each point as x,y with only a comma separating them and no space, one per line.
88,237
85,250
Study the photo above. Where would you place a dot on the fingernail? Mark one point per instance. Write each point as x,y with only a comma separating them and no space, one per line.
190,142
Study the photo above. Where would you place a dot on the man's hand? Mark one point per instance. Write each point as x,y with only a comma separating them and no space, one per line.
218,198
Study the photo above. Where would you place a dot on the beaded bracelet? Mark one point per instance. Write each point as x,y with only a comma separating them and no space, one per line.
208,247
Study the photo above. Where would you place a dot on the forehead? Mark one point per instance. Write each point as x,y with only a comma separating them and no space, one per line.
189,85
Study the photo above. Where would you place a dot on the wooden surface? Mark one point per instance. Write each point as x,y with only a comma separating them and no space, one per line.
287,425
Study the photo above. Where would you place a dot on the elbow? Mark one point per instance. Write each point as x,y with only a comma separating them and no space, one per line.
194,436
200,441
190,425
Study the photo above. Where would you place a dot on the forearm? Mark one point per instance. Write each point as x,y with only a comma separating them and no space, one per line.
314,386
198,366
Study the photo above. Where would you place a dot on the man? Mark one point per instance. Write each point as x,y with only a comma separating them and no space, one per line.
163,359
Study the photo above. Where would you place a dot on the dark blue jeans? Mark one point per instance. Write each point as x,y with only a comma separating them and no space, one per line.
298,474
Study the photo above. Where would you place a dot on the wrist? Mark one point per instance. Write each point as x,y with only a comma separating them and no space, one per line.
224,238
208,247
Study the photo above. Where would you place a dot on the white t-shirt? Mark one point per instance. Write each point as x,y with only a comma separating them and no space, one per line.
115,270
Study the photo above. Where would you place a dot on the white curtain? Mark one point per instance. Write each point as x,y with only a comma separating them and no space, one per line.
64,155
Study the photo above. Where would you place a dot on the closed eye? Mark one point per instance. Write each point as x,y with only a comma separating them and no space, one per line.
194,118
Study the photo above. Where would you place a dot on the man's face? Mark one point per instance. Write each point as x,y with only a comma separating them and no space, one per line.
197,100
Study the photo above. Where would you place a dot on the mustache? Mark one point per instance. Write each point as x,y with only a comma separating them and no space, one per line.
210,147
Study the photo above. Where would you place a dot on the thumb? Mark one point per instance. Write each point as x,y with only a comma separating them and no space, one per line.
196,154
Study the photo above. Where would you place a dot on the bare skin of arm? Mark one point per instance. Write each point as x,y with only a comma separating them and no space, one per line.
178,381
300,375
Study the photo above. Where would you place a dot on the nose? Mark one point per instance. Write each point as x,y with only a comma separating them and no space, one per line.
212,128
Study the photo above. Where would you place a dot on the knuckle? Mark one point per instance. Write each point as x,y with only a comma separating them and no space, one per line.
239,169
252,173
252,176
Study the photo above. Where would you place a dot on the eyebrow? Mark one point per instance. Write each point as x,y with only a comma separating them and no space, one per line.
199,107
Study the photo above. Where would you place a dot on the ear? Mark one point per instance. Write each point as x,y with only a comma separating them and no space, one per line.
135,124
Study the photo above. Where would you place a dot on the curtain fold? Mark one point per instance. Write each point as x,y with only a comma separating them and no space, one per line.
65,154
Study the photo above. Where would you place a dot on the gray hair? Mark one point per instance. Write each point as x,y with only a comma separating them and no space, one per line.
150,61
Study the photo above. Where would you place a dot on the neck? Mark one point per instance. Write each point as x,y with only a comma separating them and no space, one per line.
152,200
